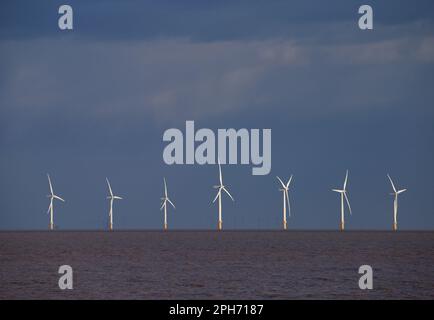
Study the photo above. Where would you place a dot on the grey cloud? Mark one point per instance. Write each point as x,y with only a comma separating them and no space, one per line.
202,21
165,79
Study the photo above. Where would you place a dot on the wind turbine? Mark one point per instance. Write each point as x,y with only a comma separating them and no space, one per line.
284,190
50,210
343,193
112,197
395,203
165,199
220,187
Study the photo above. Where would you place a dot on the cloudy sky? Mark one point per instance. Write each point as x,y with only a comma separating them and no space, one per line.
94,102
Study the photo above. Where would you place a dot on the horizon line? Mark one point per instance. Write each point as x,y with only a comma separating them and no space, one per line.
215,230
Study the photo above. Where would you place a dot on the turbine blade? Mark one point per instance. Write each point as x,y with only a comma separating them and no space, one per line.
117,197
171,203
228,193
110,188
165,187
401,191
162,206
348,202
391,182
218,193
49,182
59,198
281,182
289,182
337,190
49,208
220,172
346,180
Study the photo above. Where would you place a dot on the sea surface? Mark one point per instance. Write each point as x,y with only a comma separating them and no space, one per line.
216,265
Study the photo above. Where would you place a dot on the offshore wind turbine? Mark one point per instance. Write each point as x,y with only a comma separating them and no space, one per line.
111,197
50,210
343,193
284,190
395,203
165,200
220,187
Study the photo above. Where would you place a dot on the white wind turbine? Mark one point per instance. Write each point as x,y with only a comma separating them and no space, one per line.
112,197
395,203
343,193
165,199
50,210
219,195
284,190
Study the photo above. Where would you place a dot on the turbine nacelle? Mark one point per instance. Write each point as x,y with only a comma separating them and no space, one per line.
340,191
115,197
397,192
285,186
165,200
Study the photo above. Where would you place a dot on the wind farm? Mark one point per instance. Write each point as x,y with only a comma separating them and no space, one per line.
343,193
50,210
395,203
112,198
284,189
220,187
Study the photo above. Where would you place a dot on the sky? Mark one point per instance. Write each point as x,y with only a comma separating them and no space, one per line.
94,102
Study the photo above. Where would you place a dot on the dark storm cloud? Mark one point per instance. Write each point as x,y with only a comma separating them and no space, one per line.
202,20
145,78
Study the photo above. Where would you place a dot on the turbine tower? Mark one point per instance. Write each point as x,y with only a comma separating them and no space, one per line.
395,204
343,193
220,187
50,210
112,197
166,199
284,190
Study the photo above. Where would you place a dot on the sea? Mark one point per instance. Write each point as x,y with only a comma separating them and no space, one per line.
217,265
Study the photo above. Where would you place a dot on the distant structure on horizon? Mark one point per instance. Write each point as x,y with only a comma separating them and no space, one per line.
343,193
285,188
111,197
220,187
165,199
395,204
50,210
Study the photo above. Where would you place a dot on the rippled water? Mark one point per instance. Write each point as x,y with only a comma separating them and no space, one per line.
213,265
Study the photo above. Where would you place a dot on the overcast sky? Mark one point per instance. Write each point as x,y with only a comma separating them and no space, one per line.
94,102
